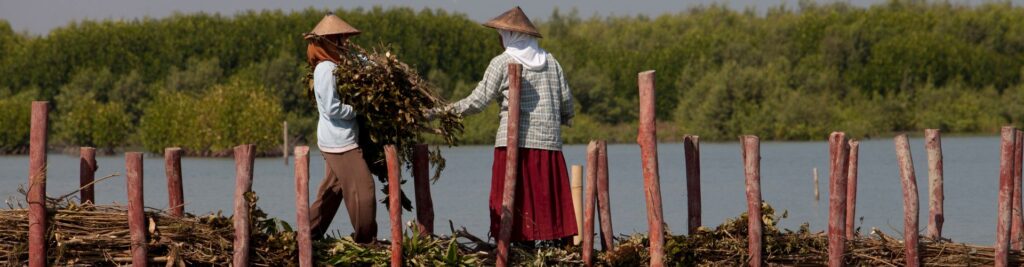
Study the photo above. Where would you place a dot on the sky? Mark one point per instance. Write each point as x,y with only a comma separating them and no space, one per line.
40,16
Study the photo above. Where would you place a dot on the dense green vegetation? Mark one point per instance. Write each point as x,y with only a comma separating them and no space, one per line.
207,82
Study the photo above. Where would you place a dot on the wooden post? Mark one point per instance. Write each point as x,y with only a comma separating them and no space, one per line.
910,200
136,215
284,142
603,200
589,199
817,195
87,173
175,192
576,184
752,170
838,153
691,147
1002,246
37,184
394,203
851,188
305,243
647,139
508,196
1017,229
421,179
936,195
244,157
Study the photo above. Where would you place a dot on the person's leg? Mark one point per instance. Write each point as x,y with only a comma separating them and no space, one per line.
357,184
328,200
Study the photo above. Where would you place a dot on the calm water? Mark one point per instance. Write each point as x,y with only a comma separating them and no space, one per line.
971,169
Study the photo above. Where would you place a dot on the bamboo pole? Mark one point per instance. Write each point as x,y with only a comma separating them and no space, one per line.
647,138
1002,246
87,173
838,153
691,147
910,200
603,200
421,180
851,188
37,184
175,192
588,203
244,157
394,203
508,195
576,184
302,236
752,171
1017,228
936,193
284,142
136,215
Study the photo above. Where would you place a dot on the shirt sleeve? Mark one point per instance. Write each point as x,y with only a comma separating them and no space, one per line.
566,106
486,91
327,101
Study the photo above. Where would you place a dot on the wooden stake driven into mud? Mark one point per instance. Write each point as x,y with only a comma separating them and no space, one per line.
421,181
86,174
394,203
1006,166
911,205
851,188
588,202
752,171
508,196
136,204
603,200
576,187
838,153
244,157
647,138
175,192
302,235
37,184
936,193
691,148
1017,229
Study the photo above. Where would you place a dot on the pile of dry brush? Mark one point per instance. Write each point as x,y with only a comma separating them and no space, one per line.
391,101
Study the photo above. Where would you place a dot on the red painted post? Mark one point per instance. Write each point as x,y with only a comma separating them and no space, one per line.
691,147
647,139
86,174
175,193
244,157
851,188
838,153
302,206
910,200
37,184
136,215
421,178
936,193
603,200
1002,246
588,204
508,196
394,203
1016,230
752,172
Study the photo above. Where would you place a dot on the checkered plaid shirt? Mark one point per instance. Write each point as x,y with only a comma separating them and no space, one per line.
545,102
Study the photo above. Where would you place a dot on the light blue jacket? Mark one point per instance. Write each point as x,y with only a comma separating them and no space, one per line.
336,130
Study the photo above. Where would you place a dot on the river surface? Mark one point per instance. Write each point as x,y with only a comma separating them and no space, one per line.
461,195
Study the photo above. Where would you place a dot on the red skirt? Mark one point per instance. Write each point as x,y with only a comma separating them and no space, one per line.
543,206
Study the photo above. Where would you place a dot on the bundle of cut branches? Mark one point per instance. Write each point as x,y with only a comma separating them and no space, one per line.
391,101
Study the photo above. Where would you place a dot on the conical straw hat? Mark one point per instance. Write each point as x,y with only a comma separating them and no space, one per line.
331,25
514,20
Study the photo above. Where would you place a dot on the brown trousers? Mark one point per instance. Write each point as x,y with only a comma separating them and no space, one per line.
347,178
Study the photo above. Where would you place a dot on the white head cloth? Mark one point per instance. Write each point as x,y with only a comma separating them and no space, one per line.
524,49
